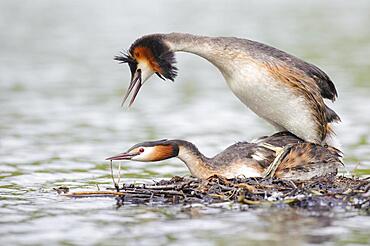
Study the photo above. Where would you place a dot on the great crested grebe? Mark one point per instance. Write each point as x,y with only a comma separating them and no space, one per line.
280,88
302,161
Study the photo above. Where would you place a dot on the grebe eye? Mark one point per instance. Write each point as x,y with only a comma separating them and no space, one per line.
141,150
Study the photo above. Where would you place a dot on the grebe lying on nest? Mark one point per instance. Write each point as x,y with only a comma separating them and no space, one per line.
281,155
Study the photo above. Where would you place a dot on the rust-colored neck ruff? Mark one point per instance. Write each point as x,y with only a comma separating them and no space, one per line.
144,54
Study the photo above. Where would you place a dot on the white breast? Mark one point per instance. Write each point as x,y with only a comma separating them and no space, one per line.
242,171
272,100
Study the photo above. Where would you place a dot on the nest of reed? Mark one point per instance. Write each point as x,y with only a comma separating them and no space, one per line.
322,193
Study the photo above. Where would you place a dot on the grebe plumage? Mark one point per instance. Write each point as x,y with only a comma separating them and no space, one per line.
282,89
302,161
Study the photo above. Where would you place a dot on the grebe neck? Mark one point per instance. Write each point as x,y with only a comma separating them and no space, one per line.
217,51
198,164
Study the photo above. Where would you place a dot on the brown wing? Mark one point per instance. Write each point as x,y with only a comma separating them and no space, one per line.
299,73
325,86
304,86
266,156
309,159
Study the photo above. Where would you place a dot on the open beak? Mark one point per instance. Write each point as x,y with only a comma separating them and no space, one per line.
136,82
121,156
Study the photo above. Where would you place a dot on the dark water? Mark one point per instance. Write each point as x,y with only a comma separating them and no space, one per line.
60,117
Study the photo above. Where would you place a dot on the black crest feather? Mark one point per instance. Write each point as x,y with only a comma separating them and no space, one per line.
161,53
125,57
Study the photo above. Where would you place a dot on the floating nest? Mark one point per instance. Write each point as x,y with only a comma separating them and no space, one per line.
321,193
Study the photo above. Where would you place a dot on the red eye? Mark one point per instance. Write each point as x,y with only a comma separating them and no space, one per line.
141,150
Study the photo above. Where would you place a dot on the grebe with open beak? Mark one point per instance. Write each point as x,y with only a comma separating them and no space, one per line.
300,161
282,89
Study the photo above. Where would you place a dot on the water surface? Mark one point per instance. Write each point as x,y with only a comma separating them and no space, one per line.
60,117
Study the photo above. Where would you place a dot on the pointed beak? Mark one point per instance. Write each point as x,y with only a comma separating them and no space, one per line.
121,156
136,82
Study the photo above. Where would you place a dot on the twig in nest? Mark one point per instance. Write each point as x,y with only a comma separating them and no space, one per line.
93,193
114,181
119,173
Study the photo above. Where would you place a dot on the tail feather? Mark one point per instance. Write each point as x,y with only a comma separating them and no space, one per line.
331,116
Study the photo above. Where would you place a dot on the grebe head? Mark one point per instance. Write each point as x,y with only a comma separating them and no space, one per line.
149,151
146,56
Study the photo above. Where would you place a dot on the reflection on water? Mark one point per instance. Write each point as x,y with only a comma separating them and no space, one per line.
60,94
